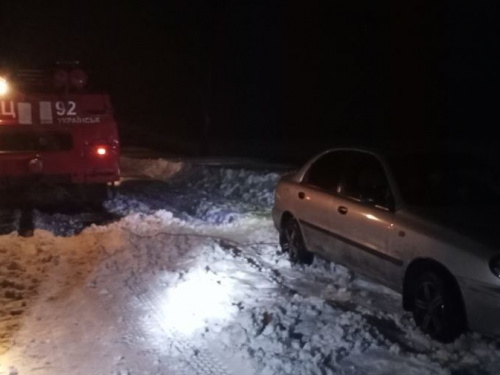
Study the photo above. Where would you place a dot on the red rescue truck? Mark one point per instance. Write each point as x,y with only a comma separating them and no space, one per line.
56,132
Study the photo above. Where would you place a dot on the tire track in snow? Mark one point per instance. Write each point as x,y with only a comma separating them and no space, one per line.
381,323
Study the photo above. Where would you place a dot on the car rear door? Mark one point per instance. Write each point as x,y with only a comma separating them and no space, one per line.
316,202
366,203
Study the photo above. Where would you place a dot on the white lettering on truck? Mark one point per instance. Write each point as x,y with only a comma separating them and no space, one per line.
7,108
79,120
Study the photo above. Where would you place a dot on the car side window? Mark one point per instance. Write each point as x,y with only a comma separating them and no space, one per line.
364,180
324,173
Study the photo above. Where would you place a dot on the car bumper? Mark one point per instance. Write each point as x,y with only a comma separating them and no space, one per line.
482,304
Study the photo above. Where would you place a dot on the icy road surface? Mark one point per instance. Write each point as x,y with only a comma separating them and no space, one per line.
187,279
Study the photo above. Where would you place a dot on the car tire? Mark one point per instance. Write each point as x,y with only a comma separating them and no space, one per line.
437,307
292,242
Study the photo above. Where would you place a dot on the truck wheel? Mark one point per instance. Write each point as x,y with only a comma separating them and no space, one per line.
96,194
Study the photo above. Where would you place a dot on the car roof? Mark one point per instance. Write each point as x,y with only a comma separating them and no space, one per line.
403,148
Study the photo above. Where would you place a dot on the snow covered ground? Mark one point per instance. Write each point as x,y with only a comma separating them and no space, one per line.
188,279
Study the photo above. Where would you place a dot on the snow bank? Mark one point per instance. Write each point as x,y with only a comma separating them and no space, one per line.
213,194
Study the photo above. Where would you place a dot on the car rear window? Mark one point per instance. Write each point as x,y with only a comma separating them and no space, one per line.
445,179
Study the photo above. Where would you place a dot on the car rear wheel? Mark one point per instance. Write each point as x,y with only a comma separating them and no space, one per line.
291,241
437,308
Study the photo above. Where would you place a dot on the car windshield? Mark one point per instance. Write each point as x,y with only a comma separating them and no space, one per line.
445,179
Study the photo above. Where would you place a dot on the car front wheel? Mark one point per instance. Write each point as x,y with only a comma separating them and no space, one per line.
291,241
437,308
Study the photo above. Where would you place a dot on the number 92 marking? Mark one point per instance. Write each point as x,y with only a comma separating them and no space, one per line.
66,108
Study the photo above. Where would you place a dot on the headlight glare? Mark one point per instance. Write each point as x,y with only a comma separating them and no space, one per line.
4,86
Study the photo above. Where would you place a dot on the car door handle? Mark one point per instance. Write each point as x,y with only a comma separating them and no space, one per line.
342,210
302,195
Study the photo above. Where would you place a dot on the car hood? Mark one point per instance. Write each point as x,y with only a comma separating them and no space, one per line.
479,224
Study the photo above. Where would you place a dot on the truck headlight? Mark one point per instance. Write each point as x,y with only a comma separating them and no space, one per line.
4,86
495,265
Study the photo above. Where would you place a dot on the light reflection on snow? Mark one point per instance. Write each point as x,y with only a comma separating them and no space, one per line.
4,368
197,301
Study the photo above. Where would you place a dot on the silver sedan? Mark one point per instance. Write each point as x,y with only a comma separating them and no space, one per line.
425,224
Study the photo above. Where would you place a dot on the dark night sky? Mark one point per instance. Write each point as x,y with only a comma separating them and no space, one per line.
277,69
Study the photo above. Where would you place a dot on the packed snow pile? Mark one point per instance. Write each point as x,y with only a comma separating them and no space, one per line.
215,194
174,286
19,279
159,169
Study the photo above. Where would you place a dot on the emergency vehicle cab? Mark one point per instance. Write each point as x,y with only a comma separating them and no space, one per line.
55,131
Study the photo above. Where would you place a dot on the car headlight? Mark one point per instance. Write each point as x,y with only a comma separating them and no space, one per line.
4,86
495,265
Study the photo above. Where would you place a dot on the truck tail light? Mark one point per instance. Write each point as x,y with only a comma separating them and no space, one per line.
101,151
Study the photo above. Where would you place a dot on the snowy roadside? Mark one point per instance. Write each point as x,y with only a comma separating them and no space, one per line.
190,281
